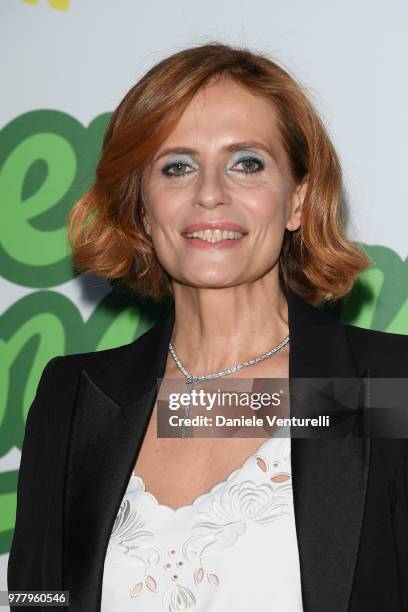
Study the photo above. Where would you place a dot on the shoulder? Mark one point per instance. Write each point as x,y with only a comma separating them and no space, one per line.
74,362
68,367
383,353
374,340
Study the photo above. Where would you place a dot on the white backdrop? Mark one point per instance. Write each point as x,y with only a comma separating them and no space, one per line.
82,57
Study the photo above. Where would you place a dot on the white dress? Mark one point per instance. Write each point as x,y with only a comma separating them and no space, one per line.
233,548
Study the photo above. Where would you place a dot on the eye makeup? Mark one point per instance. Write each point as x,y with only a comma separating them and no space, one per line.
247,156
174,167
179,165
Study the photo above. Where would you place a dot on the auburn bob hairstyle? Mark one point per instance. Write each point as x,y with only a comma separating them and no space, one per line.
106,227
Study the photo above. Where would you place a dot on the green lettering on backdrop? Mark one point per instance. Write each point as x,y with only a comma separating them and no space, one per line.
47,160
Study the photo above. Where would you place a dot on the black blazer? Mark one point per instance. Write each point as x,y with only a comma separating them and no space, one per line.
85,428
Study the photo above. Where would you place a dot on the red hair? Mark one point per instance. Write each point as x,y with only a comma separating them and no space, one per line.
106,229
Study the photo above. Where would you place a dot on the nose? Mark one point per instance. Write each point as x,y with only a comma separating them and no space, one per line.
211,189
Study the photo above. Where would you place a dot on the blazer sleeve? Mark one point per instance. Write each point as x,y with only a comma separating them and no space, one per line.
24,571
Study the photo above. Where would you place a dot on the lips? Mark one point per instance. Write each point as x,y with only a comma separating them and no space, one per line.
222,225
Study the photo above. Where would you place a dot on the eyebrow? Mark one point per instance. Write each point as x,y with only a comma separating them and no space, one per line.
235,146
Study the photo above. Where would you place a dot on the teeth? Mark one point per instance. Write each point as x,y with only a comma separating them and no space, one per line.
215,235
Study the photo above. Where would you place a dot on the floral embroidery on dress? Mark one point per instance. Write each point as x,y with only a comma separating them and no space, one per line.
223,518
227,519
280,469
129,546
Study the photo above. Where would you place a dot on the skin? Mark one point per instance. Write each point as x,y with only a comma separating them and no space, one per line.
217,324
216,289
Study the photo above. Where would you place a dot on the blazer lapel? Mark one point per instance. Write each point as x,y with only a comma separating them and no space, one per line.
329,475
106,436
111,414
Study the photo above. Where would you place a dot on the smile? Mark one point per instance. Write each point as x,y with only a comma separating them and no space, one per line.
214,235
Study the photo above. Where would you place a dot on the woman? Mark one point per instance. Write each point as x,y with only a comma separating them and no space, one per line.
213,139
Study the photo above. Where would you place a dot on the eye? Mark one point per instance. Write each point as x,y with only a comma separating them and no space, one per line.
250,165
176,169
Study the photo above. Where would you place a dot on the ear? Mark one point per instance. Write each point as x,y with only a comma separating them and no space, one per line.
145,218
295,209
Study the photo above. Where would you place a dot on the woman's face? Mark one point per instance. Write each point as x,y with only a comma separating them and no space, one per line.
223,166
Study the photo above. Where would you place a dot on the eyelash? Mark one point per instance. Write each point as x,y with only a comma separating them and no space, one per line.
167,167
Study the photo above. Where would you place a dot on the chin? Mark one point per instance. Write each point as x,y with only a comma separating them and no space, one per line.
210,283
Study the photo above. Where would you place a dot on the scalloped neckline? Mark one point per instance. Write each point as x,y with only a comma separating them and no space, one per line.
135,477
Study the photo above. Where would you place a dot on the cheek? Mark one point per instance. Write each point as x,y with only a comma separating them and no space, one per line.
163,207
267,207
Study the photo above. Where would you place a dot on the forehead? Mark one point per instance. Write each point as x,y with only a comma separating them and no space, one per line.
223,112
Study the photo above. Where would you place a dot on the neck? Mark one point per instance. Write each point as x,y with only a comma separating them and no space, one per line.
215,329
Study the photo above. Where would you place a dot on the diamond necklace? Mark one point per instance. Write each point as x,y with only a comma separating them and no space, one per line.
193,380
